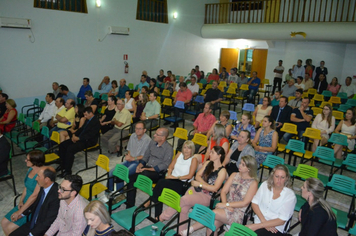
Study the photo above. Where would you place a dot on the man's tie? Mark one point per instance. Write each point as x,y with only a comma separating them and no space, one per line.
279,112
38,207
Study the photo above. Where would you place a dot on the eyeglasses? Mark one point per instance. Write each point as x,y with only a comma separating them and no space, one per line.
62,190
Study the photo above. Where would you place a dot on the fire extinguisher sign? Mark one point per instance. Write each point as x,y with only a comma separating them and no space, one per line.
125,57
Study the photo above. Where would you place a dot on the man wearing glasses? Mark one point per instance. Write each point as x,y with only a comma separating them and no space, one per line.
70,219
136,148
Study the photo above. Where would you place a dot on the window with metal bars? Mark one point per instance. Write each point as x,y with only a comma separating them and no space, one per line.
152,10
63,5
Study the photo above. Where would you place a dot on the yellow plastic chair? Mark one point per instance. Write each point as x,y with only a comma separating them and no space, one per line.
291,98
287,128
335,100
318,98
51,157
135,94
222,84
94,187
305,95
174,94
325,103
166,93
167,102
200,85
311,91
208,86
200,139
158,99
312,103
230,98
316,111
312,134
180,133
233,85
203,92
221,88
339,115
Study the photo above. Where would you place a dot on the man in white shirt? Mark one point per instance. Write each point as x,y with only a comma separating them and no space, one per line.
348,88
193,86
48,110
59,106
192,73
233,78
278,76
298,70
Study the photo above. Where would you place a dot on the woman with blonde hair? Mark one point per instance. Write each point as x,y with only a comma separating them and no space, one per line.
98,218
224,120
245,124
273,203
325,122
316,216
236,195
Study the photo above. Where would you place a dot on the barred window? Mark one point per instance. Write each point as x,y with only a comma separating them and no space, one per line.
152,10
63,5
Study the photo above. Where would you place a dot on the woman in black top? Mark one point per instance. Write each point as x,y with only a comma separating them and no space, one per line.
316,216
109,113
78,122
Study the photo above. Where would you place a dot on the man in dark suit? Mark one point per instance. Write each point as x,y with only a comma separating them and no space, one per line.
281,114
86,136
4,154
45,209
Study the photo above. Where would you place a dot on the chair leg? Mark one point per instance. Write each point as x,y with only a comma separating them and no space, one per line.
13,184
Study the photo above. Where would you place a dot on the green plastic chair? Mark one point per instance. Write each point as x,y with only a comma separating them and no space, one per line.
327,94
10,174
22,135
29,143
96,95
45,133
131,86
35,104
326,157
204,216
351,102
338,139
349,163
121,172
104,97
241,230
127,218
270,162
304,172
342,95
344,185
343,107
19,126
171,199
203,81
352,231
296,146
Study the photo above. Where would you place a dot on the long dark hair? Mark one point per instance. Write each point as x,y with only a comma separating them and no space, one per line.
210,166
81,108
353,119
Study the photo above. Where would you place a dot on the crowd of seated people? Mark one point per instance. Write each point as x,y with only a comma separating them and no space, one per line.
252,139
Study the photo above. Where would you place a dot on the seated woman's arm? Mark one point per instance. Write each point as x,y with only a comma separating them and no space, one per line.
210,132
256,139
171,167
338,128
227,157
30,200
102,119
11,115
211,188
228,130
274,144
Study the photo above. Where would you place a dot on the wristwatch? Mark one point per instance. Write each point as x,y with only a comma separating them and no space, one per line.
200,185
227,204
146,118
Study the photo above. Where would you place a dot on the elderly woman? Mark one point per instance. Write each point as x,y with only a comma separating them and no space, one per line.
7,121
14,219
266,140
273,203
261,111
109,113
346,127
218,139
316,216
239,149
180,172
245,124
129,101
236,195
98,219
325,122
114,89
224,120
207,181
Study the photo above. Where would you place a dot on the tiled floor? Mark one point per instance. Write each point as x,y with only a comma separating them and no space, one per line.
19,167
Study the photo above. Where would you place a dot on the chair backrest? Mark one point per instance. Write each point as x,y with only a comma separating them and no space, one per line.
103,162
158,99
327,93
325,103
174,94
208,86
122,172
339,115
144,184
167,102
290,98
338,139
45,131
21,118
199,99
295,145
203,92
231,90
244,87
334,99
350,161
289,128
312,103
342,184
248,107
351,102
200,139
36,102
171,198
203,81
222,84
181,133
241,230
343,107
342,95
166,93
179,104
316,110
233,85
135,94
96,95
204,216
102,111
42,104
318,97
272,160
131,86
305,171
29,121
200,85
55,137
233,115
312,133
324,153
311,91
104,97
36,126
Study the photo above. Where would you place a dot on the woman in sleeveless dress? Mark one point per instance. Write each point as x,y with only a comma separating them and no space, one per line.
129,101
109,113
266,140
236,195
13,219
348,128
7,122
261,111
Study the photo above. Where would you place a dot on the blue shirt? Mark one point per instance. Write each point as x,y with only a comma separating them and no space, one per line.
69,95
257,80
140,85
82,91
122,91
105,88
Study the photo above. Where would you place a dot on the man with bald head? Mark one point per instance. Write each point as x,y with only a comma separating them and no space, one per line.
122,89
154,162
45,208
104,86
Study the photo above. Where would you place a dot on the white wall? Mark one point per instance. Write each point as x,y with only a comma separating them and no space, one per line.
66,48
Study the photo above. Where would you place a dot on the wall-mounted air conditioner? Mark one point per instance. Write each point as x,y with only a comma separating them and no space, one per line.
119,30
15,23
